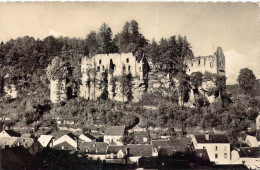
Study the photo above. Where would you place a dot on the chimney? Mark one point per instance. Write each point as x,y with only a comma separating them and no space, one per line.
207,136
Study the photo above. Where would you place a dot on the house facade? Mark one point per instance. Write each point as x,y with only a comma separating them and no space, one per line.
114,135
217,146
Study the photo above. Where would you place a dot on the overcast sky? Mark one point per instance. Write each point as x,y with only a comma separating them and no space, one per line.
233,26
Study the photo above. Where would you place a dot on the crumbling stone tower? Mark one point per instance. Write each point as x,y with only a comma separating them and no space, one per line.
213,63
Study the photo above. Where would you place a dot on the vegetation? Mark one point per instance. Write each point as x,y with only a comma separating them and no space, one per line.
30,65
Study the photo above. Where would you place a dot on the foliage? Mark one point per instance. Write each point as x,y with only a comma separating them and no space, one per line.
247,80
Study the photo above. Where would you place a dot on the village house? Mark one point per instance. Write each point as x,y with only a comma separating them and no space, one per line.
129,154
249,156
114,135
9,133
157,144
86,137
217,146
251,141
46,140
66,142
116,154
94,150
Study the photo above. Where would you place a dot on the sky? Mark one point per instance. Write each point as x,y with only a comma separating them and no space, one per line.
233,26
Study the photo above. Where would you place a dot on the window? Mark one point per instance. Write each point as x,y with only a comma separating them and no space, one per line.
204,147
216,156
98,69
199,62
191,64
100,61
123,68
140,69
225,155
103,68
129,68
127,60
204,61
216,148
211,64
243,162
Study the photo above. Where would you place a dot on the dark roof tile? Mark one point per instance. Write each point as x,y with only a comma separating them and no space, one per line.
115,130
213,138
252,152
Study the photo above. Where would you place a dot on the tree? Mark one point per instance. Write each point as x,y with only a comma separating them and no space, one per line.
92,44
104,85
246,80
184,88
105,39
196,79
126,86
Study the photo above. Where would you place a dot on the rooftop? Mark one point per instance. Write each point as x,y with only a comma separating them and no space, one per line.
252,152
115,130
12,133
93,147
213,138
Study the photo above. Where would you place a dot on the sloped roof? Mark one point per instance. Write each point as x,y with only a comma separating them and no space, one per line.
171,150
201,154
45,140
72,136
26,142
116,148
93,147
251,152
89,136
12,133
159,143
213,138
115,130
140,150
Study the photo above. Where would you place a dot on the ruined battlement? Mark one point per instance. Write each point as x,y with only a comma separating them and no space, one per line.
213,63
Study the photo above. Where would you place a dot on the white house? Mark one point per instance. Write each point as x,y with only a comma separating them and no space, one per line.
69,138
9,133
251,141
46,140
114,135
94,150
217,146
249,156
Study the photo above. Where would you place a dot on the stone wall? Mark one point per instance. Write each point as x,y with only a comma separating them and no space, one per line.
115,64
58,91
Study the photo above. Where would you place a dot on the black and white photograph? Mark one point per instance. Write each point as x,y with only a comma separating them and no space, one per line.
129,85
